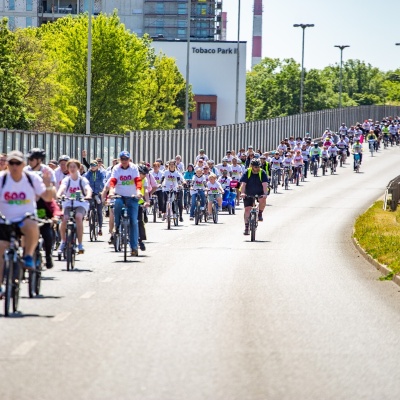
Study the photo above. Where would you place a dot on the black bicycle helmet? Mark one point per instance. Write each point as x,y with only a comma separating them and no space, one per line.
64,157
255,162
36,153
143,169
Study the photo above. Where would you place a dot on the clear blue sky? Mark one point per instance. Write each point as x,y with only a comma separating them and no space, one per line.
370,27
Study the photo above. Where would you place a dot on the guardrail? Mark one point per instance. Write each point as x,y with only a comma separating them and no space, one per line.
392,194
149,145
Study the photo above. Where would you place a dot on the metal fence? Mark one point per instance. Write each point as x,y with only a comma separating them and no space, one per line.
265,135
55,144
149,145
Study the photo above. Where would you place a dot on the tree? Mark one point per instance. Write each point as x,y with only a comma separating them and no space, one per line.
13,113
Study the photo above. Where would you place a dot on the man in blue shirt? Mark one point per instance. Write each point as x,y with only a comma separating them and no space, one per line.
96,179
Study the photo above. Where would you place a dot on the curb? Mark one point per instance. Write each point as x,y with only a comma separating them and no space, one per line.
380,267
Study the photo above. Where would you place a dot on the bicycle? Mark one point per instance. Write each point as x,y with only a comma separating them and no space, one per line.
121,237
371,144
187,198
198,212
70,237
297,174
13,271
324,165
332,165
154,207
342,157
214,211
93,219
35,277
275,179
314,167
171,204
286,177
253,221
385,141
357,158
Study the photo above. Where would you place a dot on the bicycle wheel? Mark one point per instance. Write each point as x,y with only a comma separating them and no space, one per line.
275,183
176,218
69,248
297,178
315,171
91,225
215,213
197,213
8,271
125,238
286,181
169,215
32,277
253,226
117,242
155,210
96,225
17,279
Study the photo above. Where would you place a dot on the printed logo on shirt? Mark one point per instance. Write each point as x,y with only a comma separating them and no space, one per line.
14,198
126,180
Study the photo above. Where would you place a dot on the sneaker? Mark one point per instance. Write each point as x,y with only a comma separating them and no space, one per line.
260,217
49,263
246,232
142,246
201,208
28,263
111,240
134,253
81,249
180,219
100,232
163,217
61,248
191,218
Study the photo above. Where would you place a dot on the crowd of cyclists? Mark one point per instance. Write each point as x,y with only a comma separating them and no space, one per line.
36,198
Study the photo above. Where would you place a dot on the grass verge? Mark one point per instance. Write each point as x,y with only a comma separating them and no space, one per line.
378,233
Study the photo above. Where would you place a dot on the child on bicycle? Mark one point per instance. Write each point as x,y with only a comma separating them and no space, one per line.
215,191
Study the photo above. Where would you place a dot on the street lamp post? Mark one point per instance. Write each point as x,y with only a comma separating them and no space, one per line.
237,69
302,26
89,69
189,6
342,47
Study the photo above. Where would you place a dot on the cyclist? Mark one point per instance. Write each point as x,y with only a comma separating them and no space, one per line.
110,202
315,153
224,166
357,149
254,182
287,165
180,166
276,165
202,154
298,162
126,182
96,179
69,186
324,157
343,129
386,133
342,145
61,171
44,210
333,152
371,138
224,180
18,191
305,153
172,180
143,204
199,183
215,191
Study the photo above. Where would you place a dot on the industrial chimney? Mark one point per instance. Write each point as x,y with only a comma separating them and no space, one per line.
257,32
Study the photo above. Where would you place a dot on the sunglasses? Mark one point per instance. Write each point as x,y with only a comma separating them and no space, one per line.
14,162
124,158
94,165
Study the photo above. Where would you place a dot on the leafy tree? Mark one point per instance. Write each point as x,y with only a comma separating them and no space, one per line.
13,113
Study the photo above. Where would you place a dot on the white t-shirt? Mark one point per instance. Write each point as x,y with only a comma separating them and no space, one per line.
214,188
180,167
297,160
157,176
198,158
287,162
198,183
71,187
225,182
19,198
125,180
237,171
276,162
171,180
40,172
221,167
59,176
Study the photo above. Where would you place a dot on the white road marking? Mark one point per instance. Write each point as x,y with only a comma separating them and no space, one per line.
87,295
109,279
125,267
62,316
24,348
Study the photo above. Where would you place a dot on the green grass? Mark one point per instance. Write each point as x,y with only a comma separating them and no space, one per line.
378,233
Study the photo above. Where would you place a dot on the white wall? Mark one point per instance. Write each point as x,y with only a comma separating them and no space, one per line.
212,73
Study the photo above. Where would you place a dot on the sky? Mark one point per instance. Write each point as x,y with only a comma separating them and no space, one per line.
370,27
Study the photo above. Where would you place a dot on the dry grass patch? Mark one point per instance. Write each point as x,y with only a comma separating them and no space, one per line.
378,233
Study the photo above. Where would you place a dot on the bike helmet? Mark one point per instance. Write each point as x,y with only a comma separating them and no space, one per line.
143,170
64,157
225,159
315,144
255,162
37,153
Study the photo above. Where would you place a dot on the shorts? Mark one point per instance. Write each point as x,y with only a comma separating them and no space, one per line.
78,210
211,196
5,232
248,201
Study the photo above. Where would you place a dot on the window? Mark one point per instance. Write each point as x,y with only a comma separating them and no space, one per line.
160,8
182,23
28,21
182,9
11,5
11,23
181,33
29,6
201,10
159,27
205,112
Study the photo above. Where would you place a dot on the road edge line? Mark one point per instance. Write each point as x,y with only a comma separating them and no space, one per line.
380,267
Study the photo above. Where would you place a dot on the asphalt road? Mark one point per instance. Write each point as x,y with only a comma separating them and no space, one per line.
204,314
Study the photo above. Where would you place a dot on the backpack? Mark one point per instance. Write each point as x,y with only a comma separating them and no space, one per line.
80,184
27,177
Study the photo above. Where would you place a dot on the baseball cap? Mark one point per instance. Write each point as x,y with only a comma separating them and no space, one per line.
124,154
15,155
